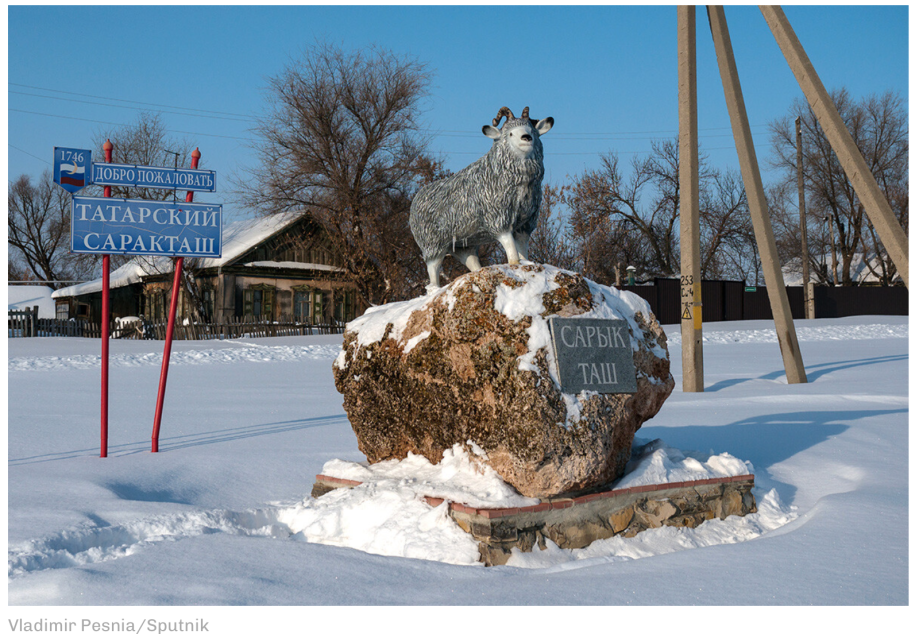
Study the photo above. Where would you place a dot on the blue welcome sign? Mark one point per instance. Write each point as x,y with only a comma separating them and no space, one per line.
157,177
146,227
72,168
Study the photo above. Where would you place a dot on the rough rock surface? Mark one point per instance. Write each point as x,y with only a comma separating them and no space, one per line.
473,363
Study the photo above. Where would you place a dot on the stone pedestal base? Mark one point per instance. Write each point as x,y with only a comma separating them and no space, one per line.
576,522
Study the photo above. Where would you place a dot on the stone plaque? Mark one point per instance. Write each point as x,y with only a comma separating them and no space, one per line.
593,354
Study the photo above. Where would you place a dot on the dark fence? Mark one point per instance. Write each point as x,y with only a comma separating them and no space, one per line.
237,328
734,301
25,323
22,323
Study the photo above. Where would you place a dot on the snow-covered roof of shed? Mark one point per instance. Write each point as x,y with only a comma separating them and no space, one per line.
125,275
20,297
238,237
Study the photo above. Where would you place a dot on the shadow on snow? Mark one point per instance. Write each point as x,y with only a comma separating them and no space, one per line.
173,443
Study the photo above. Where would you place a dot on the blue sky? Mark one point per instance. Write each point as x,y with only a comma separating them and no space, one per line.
607,74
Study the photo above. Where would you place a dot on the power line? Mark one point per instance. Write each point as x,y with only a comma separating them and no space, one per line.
143,103
438,132
29,153
562,137
465,135
112,105
222,136
60,116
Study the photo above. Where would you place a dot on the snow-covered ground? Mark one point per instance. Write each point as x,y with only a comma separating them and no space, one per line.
222,515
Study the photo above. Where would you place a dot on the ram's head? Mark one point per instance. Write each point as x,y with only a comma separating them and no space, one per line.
521,134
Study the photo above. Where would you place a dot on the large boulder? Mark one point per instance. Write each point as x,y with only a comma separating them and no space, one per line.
473,363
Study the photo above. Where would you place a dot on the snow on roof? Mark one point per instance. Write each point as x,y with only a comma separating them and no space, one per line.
125,275
296,265
238,237
859,270
22,297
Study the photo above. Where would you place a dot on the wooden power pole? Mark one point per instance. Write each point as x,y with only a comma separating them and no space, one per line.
805,256
690,258
756,198
852,161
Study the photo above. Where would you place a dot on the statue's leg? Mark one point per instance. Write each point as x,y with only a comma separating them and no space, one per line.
507,241
522,240
469,257
434,271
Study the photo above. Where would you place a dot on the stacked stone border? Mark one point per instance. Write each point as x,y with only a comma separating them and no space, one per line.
576,522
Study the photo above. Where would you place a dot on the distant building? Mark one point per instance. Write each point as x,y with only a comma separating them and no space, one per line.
279,267
863,272
20,297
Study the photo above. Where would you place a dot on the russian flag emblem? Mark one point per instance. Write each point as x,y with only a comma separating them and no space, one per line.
71,174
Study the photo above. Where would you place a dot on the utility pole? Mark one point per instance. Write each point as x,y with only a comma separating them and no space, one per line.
853,163
805,256
690,256
756,197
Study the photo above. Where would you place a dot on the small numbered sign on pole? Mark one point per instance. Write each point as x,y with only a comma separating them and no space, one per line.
72,168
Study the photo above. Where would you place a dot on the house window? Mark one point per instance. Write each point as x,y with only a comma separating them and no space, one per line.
308,305
318,317
207,298
62,311
258,301
344,305
156,305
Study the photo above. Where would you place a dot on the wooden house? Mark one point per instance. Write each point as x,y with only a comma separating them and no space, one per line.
276,268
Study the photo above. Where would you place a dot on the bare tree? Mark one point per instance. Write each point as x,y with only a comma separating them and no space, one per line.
341,142
38,220
638,216
549,243
728,245
144,142
618,220
879,127
16,270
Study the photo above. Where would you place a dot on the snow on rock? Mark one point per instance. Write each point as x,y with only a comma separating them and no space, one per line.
456,478
388,501
474,361
383,518
459,478
653,462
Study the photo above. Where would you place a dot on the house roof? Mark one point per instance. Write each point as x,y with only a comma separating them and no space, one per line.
238,238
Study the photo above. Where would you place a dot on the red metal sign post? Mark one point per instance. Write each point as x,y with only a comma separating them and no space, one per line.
107,192
170,328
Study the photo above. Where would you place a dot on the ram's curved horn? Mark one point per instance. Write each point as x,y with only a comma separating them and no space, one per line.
503,112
